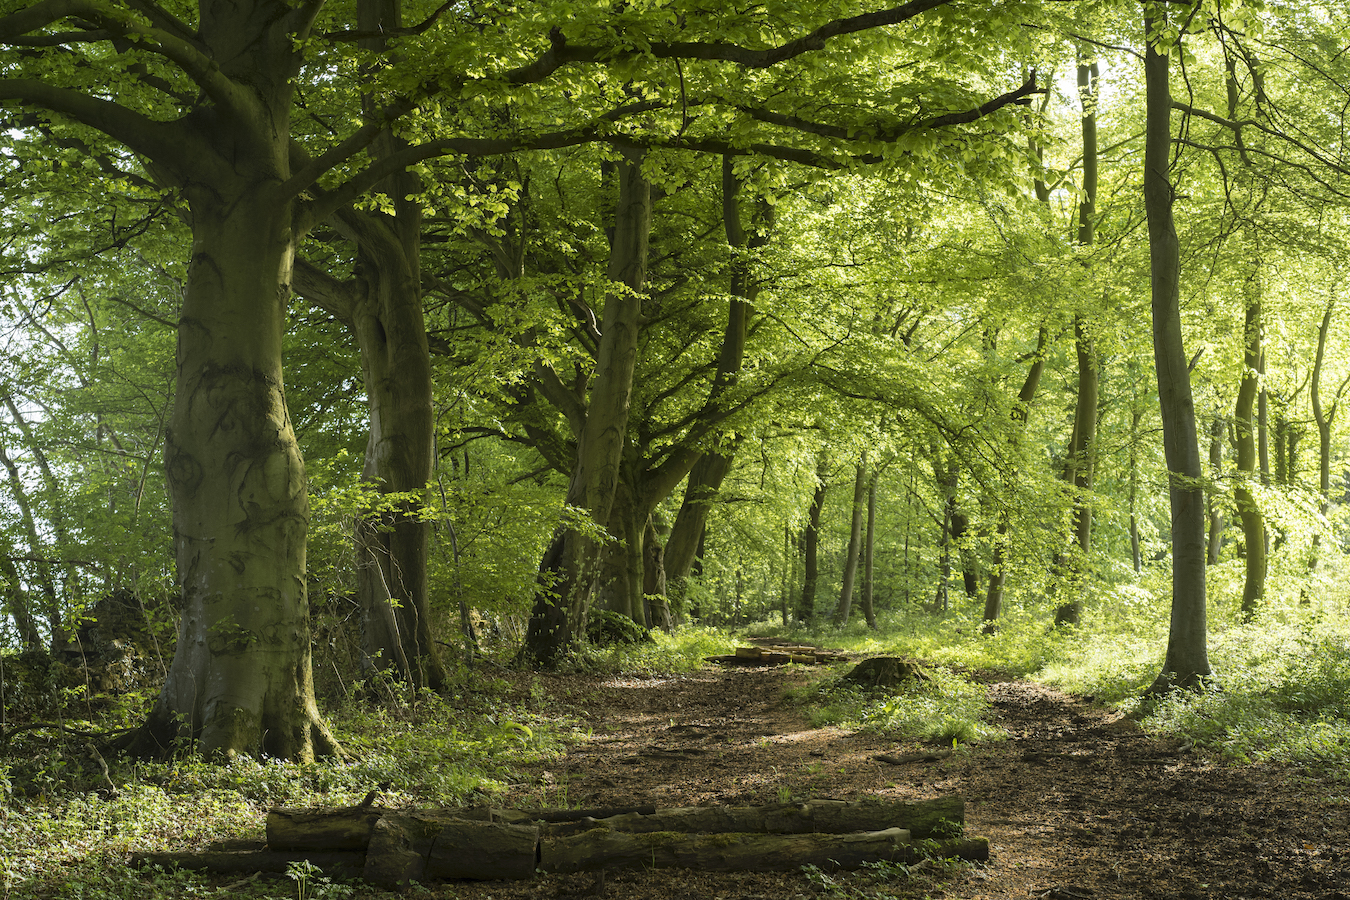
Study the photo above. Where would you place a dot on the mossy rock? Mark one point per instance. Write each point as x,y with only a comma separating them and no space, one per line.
885,671
607,628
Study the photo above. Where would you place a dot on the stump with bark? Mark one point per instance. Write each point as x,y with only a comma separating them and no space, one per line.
391,848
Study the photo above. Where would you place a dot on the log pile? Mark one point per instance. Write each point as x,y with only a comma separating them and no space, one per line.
779,655
390,848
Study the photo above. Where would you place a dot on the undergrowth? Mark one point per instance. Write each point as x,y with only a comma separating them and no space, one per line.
942,707
67,824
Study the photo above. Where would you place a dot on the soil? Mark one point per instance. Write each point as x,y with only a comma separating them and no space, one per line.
1076,803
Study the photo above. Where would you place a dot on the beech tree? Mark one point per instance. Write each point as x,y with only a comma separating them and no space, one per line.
1187,662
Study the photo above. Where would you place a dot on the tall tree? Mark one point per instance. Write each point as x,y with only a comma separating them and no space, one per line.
1082,460
1186,664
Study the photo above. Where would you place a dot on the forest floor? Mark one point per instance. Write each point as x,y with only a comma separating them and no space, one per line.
1076,803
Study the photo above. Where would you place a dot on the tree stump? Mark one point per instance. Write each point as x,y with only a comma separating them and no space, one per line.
885,671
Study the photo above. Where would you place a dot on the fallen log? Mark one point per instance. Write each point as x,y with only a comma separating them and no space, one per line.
923,819
603,849
433,847
391,849
346,828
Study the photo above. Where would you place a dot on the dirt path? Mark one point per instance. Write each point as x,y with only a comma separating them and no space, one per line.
1077,803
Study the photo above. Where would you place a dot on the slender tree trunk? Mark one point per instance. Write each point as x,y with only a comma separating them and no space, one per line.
1187,661
1214,542
1324,417
841,612
568,567
707,475
52,495
869,544
1083,448
998,567
806,609
1249,511
14,601
1136,550
51,599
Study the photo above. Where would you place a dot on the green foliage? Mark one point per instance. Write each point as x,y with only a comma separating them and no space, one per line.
945,707
683,650
1281,694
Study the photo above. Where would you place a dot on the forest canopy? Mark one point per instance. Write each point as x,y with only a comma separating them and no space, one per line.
351,339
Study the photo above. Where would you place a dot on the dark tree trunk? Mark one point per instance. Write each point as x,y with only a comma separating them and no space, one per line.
1244,427
869,544
707,475
654,579
1083,448
854,554
1324,417
806,609
1187,661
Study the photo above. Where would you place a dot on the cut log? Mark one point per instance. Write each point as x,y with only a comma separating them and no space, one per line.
923,818
484,851
350,864
779,655
399,847
347,828
519,816
435,846
603,849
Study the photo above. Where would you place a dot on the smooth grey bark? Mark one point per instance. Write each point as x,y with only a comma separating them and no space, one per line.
1187,661
854,552
569,564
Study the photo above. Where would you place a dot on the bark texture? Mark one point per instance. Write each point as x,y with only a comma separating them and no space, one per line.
1187,662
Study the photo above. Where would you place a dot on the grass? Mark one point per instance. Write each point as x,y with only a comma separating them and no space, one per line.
945,707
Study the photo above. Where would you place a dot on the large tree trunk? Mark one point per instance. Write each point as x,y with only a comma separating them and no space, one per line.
854,553
390,329
568,567
240,680
619,587
1187,661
